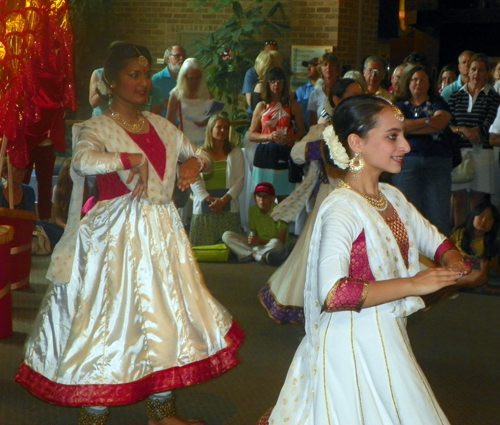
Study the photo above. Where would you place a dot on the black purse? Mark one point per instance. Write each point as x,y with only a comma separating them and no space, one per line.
271,156
295,172
456,153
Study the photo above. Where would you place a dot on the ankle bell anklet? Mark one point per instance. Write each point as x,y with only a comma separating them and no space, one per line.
157,408
90,418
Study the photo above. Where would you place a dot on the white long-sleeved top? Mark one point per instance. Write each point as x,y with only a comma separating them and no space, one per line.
97,144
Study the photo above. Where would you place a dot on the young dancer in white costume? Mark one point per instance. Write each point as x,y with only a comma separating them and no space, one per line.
355,364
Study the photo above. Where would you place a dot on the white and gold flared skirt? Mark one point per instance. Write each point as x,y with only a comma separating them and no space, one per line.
136,317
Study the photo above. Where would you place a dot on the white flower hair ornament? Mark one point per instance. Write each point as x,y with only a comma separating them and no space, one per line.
337,151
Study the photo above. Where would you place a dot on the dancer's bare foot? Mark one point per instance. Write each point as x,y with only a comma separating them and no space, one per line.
174,420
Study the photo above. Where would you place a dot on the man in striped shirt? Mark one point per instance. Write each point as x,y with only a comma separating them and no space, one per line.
474,108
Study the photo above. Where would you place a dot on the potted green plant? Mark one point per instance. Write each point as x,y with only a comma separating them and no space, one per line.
231,50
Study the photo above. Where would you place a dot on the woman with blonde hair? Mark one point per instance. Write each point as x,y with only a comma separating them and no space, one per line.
189,101
264,62
216,206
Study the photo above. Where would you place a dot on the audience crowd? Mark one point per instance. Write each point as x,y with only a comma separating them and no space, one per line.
458,109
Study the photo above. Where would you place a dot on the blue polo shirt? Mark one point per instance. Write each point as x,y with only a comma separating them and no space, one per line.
164,81
452,88
302,94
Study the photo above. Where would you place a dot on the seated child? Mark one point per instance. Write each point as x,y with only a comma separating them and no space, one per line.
267,237
476,239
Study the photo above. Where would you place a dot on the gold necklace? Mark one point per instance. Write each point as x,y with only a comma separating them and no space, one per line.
379,204
133,128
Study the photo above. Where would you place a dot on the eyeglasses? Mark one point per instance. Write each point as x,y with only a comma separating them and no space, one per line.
270,43
276,81
178,56
373,71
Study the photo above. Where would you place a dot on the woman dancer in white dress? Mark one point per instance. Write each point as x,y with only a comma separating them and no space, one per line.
355,364
128,315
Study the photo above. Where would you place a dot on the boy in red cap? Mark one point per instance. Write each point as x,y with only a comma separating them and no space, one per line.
268,239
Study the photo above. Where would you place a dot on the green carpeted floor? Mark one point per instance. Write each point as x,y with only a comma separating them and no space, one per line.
457,344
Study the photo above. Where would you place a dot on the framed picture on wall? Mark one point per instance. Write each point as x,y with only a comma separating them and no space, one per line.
304,54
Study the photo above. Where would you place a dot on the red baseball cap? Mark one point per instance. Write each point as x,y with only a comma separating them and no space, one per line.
265,187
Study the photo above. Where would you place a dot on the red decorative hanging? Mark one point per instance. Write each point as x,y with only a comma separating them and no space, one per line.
36,74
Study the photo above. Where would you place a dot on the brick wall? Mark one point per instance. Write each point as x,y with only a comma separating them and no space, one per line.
358,31
158,24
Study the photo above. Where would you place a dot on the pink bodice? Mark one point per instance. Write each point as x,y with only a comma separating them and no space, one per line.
360,267
111,186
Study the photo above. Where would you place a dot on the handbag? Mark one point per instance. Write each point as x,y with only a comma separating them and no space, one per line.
456,153
40,244
295,172
466,171
271,156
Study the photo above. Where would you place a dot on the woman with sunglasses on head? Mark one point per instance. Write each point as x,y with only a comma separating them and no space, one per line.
276,125
128,315
355,364
264,62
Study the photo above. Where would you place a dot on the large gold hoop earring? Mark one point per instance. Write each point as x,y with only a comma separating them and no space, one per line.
356,165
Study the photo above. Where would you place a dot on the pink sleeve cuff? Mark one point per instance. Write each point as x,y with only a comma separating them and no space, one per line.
347,294
127,165
446,246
